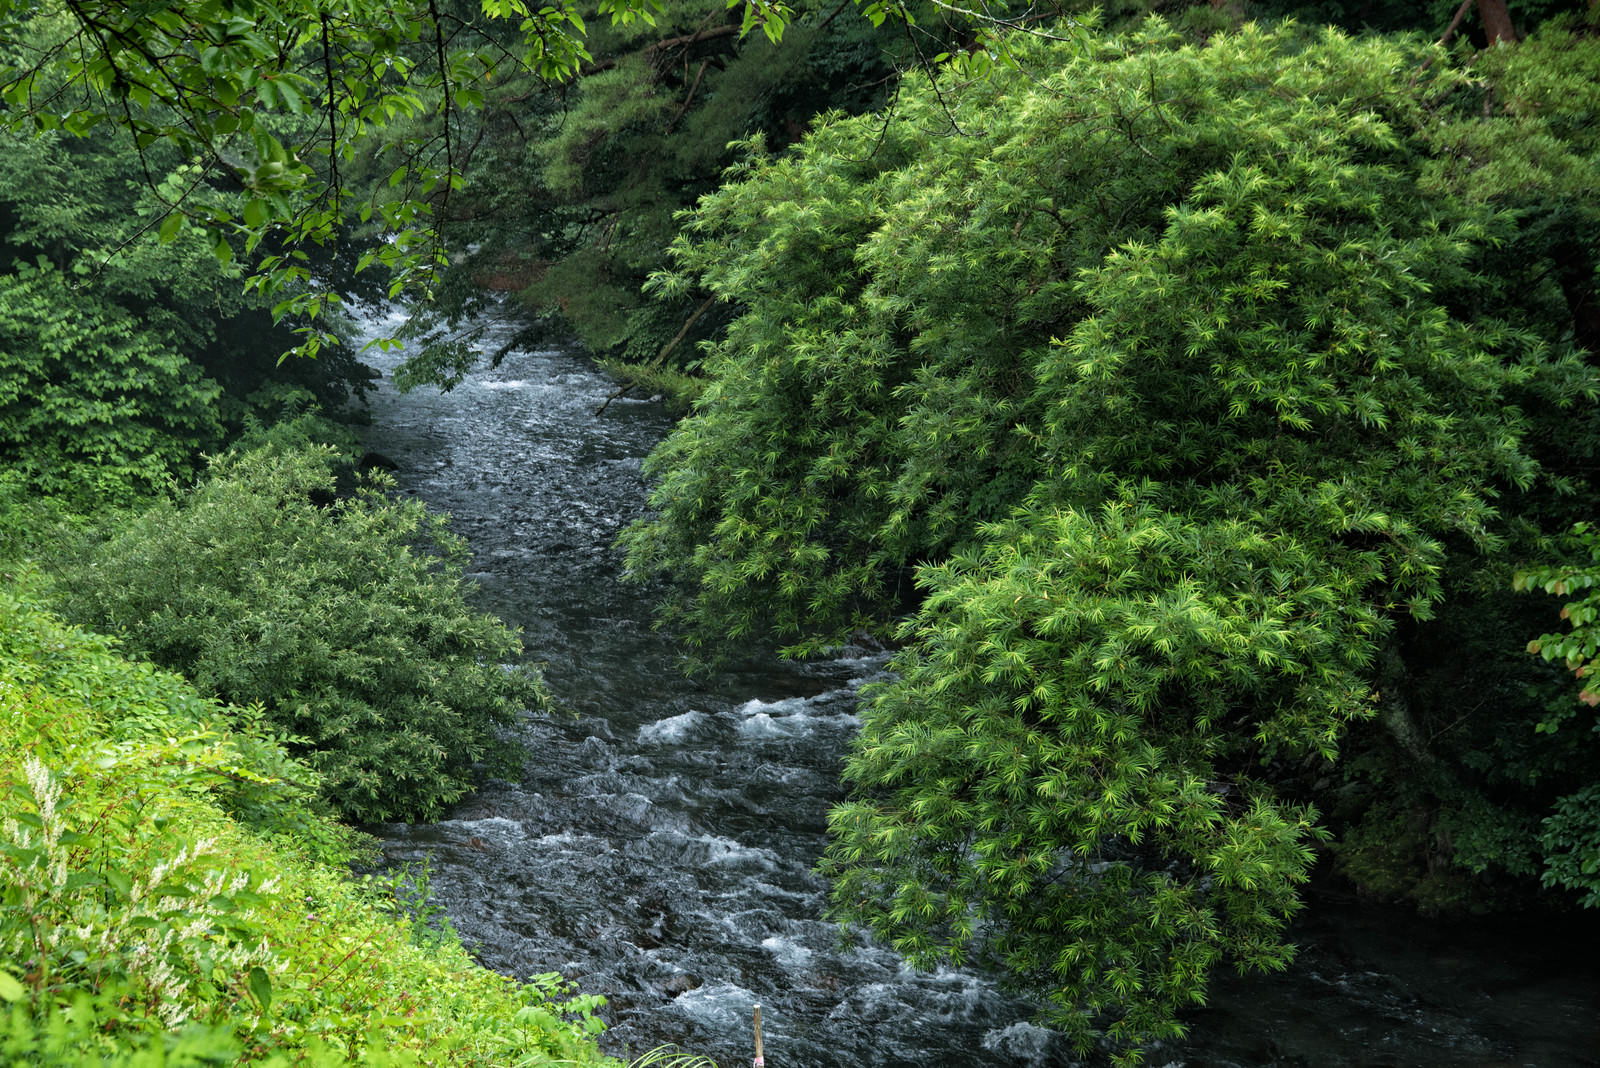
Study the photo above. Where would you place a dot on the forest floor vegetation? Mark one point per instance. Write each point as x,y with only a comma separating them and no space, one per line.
171,893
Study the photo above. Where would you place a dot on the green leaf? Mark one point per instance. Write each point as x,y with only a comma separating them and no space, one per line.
261,988
10,988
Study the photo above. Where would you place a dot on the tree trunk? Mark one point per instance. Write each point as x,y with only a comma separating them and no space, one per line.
1394,710
1496,21
1575,269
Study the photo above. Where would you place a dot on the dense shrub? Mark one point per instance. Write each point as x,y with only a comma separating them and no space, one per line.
123,360
347,622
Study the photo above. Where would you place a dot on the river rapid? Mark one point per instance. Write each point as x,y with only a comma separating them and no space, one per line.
658,846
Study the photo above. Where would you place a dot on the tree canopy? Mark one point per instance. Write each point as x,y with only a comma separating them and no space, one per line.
1167,388
271,101
297,119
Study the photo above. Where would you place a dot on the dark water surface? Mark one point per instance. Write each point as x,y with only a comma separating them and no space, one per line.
658,847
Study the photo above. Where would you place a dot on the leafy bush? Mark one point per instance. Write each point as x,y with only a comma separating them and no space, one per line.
347,623
122,360
1578,650
141,925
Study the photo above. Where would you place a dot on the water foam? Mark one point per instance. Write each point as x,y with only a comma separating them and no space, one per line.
787,953
674,730
722,1004
1022,1042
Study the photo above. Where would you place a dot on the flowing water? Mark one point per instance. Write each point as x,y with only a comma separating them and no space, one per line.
659,844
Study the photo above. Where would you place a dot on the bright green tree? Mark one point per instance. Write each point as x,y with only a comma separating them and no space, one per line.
1163,385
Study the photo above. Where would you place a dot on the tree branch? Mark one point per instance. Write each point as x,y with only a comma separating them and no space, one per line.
1450,30
333,128
684,110
444,81
661,356
683,41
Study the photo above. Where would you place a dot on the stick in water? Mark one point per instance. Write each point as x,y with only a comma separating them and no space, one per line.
760,1062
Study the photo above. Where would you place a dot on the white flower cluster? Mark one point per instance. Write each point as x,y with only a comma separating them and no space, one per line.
158,926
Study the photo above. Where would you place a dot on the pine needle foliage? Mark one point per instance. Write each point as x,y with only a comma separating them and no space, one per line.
1156,381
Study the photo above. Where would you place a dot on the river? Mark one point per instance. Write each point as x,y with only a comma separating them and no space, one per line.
658,846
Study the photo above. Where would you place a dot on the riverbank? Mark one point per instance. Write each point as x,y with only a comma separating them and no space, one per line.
173,897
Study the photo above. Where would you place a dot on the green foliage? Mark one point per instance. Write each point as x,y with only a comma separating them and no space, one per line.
280,105
1447,811
94,409
81,203
671,1057
1530,147
677,389
571,197
264,133
141,926
28,522
1577,649
347,623
1041,787
891,382
1183,385
77,1035
245,769
1429,18
274,100
1539,140
410,889
1571,841
1451,817
121,361
1570,836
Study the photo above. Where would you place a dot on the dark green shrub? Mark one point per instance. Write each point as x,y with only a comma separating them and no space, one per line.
94,409
348,623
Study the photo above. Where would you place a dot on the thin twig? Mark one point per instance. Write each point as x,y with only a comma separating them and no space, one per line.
333,125
1449,32
933,81
701,73
834,14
